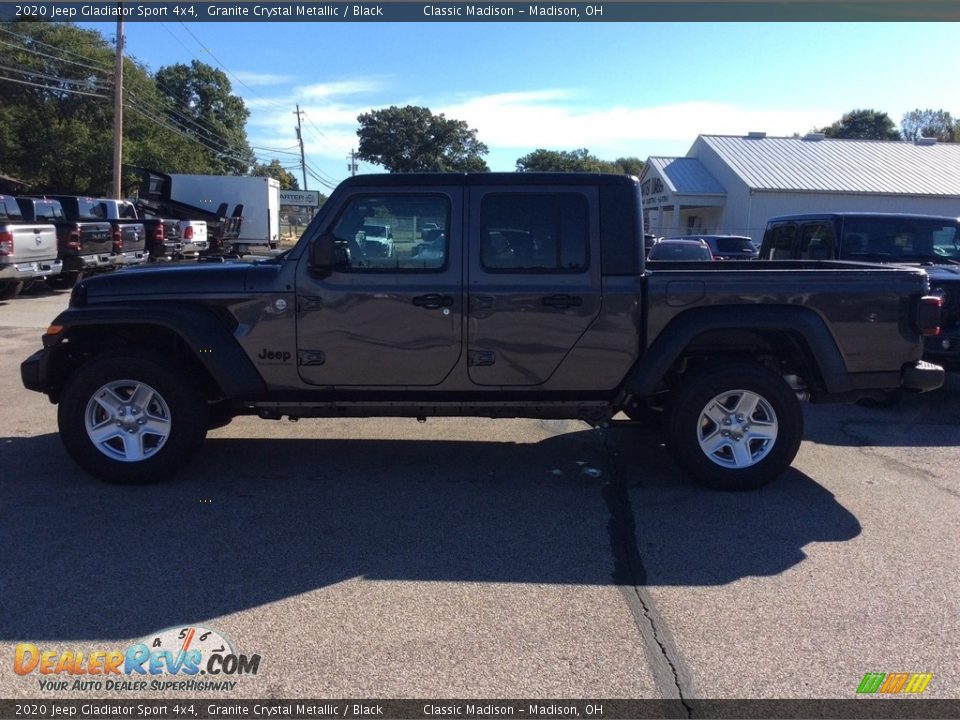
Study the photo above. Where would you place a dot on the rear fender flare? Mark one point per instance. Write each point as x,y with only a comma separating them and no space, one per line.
677,336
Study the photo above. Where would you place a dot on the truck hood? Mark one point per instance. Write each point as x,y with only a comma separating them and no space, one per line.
169,281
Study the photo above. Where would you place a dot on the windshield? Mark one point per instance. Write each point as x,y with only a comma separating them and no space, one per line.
680,251
725,245
375,231
906,239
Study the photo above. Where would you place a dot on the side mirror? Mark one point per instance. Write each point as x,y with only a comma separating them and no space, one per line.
322,255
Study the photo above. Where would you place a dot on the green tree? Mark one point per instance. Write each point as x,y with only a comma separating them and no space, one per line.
863,125
413,139
929,123
56,115
630,165
275,170
200,106
580,160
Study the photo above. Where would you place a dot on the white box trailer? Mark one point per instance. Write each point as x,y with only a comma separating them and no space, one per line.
259,196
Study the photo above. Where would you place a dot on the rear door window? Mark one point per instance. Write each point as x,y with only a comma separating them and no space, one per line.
817,241
783,239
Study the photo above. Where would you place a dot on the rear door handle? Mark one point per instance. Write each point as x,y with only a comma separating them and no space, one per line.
562,302
433,301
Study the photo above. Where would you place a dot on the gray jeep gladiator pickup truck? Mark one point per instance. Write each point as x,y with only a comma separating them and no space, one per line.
533,301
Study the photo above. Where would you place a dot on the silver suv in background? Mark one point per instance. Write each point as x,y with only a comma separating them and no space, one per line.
728,247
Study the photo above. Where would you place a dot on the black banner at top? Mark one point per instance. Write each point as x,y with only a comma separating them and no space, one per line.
453,709
365,11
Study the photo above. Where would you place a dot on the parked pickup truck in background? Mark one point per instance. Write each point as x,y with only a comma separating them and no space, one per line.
161,235
84,246
129,234
193,238
28,252
928,241
535,303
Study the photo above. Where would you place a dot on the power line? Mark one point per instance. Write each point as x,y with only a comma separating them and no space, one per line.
194,138
51,57
53,88
44,76
34,41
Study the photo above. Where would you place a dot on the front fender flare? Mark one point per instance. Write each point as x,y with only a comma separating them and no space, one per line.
206,335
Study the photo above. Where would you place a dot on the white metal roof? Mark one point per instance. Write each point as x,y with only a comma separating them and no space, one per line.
686,176
824,165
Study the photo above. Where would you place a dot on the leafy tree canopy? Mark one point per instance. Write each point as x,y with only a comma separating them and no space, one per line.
863,125
201,106
288,180
56,113
580,160
413,139
930,123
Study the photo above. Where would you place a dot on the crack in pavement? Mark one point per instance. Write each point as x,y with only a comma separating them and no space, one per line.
630,575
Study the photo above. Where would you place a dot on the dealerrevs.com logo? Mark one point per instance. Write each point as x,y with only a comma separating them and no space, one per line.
180,658
894,683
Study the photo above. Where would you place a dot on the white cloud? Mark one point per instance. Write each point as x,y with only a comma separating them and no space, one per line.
335,89
533,120
255,78
515,123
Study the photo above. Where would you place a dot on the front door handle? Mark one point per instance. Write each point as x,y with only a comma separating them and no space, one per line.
562,302
433,301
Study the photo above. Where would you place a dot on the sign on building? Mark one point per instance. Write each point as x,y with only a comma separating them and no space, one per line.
302,198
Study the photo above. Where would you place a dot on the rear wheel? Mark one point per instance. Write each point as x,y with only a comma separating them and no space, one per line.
9,290
126,419
736,426
63,281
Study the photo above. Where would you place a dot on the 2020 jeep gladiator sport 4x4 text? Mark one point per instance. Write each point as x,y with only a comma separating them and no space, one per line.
535,302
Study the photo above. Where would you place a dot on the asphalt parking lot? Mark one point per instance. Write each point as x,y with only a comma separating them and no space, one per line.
498,559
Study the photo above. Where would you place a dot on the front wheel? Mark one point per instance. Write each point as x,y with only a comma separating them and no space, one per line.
736,426
126,419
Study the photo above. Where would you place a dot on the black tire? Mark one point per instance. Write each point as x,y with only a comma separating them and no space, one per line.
9,290
773,430
63,281
176,409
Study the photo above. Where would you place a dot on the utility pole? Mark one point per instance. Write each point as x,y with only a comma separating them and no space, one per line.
303,162
118,110
352,167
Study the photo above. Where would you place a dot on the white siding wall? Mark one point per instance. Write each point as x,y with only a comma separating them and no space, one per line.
747,214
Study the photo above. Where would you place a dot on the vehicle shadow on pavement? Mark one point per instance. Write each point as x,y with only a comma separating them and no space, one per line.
255,521
929,419
687,535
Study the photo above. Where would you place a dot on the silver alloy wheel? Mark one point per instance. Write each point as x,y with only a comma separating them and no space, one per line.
127,420
737,429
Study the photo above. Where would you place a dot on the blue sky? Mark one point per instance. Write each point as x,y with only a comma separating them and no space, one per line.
618,89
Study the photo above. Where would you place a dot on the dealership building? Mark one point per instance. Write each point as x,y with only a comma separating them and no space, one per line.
734,184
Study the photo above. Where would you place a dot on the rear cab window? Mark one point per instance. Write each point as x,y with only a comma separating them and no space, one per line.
534,233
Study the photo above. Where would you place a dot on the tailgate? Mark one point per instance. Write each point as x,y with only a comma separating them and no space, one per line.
134,236
96,238
171,230
34,242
